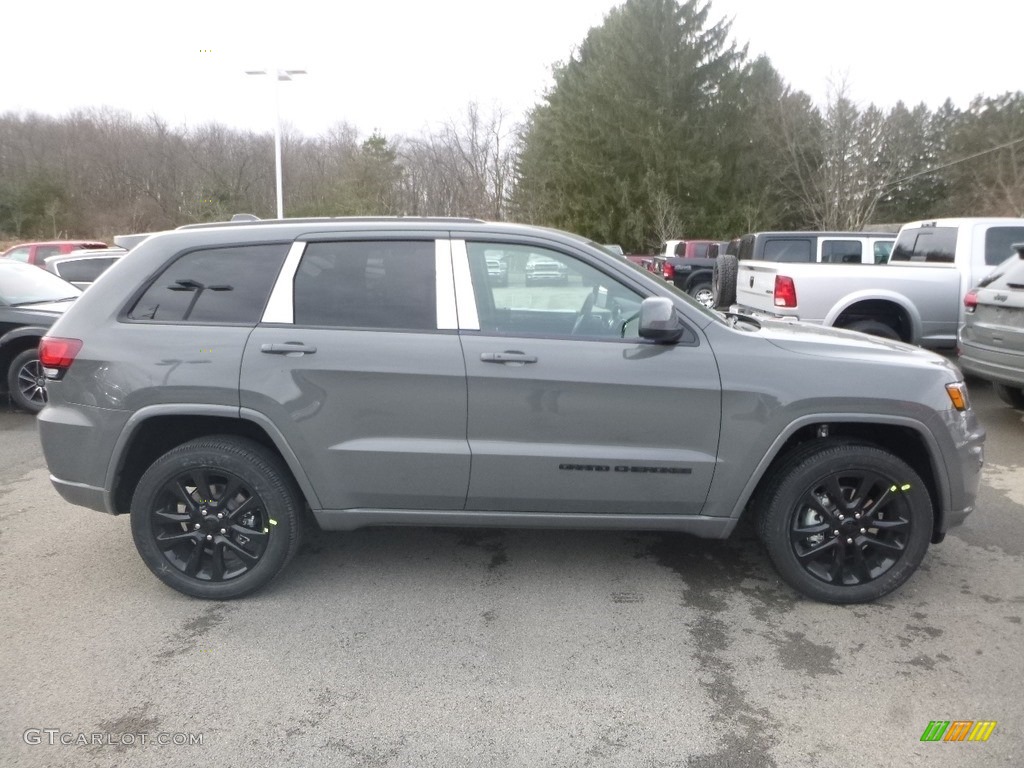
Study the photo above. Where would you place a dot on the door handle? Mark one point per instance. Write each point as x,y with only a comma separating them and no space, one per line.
507,357
288,348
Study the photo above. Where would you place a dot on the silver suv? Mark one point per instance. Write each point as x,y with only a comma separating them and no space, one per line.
229,380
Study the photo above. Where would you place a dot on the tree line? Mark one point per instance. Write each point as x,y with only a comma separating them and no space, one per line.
657,126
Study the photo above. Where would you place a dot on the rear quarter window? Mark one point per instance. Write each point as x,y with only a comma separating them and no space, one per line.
84,270
215,285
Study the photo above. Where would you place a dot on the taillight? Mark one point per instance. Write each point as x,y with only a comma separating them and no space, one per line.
668,271
56,355
785,291
971,300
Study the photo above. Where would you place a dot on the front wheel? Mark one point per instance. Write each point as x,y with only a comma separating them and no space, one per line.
26,382
845,522
217,517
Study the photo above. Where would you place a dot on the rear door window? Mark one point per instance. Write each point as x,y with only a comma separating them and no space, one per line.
789,250
214,285
841,251
386,284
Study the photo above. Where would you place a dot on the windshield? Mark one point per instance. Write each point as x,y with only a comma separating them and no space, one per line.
24,284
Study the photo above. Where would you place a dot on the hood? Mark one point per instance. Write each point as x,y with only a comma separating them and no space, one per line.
837,343
43,313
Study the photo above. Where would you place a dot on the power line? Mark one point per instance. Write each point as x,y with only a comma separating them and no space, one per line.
954,162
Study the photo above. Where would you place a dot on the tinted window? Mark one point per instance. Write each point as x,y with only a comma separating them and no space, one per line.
43,251
882,250
788,250
936,244
216,285
999,243
841,251
546,294
83,270
700,250
378,284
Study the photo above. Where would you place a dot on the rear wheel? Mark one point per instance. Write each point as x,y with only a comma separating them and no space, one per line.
217,517
723,280
1012,396
845,522
26,382
703,294
874,328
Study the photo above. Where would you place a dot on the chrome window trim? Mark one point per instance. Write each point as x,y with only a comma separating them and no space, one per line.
447,312
465,298
281,305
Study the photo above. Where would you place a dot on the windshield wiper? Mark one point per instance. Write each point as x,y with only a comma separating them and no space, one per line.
42,301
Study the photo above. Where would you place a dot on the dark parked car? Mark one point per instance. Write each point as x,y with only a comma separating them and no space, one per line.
992,336
225,379
81,268
31,300
37,253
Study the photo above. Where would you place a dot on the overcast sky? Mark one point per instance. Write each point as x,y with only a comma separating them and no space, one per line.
405,66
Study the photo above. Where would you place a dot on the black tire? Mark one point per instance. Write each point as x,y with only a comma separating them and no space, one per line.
855,551
703,294
25,381
723,280
874,328
256,531
1012,396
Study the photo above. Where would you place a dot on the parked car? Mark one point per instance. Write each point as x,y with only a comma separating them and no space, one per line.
31,300
81,268
797,248
37,253
224,379
991,343
614,248
650,262
544,269
687,265
916,297
497,270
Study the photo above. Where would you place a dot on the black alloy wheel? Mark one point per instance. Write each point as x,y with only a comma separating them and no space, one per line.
216,517
26,381
846,523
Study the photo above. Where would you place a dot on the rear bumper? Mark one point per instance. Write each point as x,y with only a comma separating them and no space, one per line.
77,444
992,364
81,494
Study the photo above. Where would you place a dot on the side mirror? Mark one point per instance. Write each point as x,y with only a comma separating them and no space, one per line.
658,320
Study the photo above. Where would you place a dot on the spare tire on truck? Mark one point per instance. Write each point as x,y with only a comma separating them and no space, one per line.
723,280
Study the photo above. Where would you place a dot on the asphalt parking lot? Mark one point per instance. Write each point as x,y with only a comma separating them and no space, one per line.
429,647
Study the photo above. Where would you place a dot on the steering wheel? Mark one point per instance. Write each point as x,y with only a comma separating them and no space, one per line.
584,313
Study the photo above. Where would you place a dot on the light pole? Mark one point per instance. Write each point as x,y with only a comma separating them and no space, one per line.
280,74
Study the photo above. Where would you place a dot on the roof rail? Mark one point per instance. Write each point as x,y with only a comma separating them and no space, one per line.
235,221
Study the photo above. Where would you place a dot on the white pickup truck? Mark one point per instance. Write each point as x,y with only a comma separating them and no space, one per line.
916,297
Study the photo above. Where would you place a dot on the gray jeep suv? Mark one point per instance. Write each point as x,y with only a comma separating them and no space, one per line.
232,384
